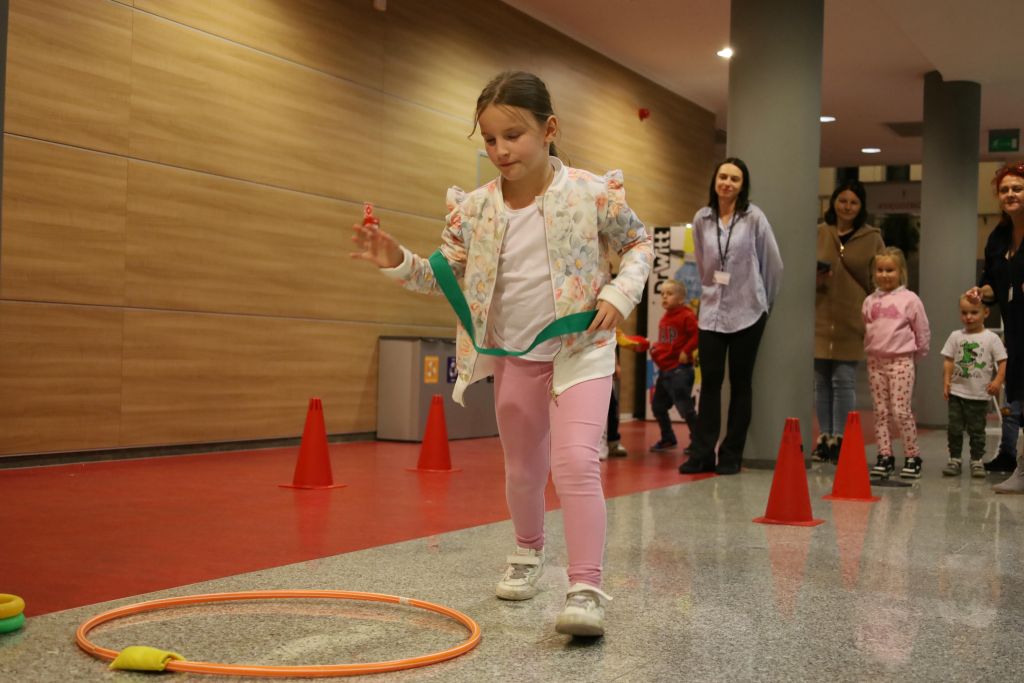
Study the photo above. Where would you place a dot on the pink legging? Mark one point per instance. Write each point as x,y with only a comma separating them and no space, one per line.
892,387
562,435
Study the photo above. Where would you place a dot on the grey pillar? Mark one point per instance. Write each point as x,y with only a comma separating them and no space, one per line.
774,105
949,219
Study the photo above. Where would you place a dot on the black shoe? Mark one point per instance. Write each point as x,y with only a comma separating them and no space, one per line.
884,466
728,467
833,450
1004,461
911,468
663,445
697,465
821,449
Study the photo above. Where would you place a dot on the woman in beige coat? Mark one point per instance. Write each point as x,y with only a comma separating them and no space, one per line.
846,247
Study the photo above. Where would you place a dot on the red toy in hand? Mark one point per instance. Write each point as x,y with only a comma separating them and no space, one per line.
368,217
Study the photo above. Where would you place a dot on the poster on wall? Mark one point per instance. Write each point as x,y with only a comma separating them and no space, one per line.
673,260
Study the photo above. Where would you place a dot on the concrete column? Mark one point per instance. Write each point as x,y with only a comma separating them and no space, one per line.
949,219
774,105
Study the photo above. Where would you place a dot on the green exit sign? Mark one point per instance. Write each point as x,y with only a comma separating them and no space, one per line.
1005,140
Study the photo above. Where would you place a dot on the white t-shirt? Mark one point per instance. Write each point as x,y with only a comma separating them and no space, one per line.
523,303
975,359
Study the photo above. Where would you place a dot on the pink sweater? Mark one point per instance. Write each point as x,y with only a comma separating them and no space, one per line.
896,324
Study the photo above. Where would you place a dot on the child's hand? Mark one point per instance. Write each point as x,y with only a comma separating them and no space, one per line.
376,246
684,357
608,317
945,390
994,387
973,295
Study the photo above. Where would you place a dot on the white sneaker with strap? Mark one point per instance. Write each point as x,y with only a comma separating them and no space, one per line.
583,614
525,567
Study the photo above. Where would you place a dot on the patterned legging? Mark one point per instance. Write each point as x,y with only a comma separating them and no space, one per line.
892,386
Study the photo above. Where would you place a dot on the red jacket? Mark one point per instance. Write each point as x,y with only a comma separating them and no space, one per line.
677,331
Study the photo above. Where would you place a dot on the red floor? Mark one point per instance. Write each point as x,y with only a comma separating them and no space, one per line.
73,535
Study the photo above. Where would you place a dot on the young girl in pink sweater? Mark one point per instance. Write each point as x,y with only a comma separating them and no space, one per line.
896,335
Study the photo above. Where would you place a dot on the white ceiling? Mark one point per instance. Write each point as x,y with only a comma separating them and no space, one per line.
876,53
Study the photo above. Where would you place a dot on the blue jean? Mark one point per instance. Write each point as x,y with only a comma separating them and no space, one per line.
1011,427
835,393
673,388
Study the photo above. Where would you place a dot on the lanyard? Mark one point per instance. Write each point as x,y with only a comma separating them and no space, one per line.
723,256
574,322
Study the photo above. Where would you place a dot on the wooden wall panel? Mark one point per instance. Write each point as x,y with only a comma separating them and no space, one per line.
202,103
441,56
63,224
202,243
423,154
197,378
242,137
68,72
344,38
60,377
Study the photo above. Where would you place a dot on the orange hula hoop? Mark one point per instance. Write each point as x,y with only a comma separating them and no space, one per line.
313,671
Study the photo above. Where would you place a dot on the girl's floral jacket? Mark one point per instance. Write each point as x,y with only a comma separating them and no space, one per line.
585,216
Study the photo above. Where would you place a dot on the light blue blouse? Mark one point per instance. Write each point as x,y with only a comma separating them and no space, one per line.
752,260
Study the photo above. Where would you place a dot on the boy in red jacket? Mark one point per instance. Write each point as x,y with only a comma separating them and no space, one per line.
673,354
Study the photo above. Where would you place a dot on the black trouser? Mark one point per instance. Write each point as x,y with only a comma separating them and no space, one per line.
613,413
673,388
967,415
741,349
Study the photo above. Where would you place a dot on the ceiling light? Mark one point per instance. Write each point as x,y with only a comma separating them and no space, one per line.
871,150
725,52
826,119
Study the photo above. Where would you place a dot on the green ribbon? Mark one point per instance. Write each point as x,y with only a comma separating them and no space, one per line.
570,324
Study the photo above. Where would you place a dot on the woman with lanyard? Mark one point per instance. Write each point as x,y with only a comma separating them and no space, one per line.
740,270
1002,282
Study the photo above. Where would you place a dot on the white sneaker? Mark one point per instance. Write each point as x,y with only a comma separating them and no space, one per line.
583,614
1015,482
525,567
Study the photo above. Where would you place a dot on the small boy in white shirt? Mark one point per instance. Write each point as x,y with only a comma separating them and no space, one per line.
973,369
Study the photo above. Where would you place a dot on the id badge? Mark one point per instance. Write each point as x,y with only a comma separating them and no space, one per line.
722,278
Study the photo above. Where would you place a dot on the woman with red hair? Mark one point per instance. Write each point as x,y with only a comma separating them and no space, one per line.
1002,282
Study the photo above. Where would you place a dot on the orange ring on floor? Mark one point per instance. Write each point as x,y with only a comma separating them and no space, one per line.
314,671
10,605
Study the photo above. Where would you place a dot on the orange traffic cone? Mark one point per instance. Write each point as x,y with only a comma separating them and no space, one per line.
852,480
789,501
434,455
313,468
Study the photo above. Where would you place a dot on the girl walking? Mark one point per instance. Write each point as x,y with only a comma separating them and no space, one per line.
896,335
527,249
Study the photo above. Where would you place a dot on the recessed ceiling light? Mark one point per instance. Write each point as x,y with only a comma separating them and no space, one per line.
826,119
871,150
725,53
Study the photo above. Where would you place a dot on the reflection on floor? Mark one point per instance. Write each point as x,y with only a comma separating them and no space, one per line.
926,584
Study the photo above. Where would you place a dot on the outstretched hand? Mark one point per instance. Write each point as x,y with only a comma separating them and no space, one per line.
376,246
608,317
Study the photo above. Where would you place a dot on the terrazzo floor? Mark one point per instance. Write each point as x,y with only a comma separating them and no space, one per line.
925,585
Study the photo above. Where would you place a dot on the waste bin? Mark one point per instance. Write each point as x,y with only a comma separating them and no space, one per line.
413,369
